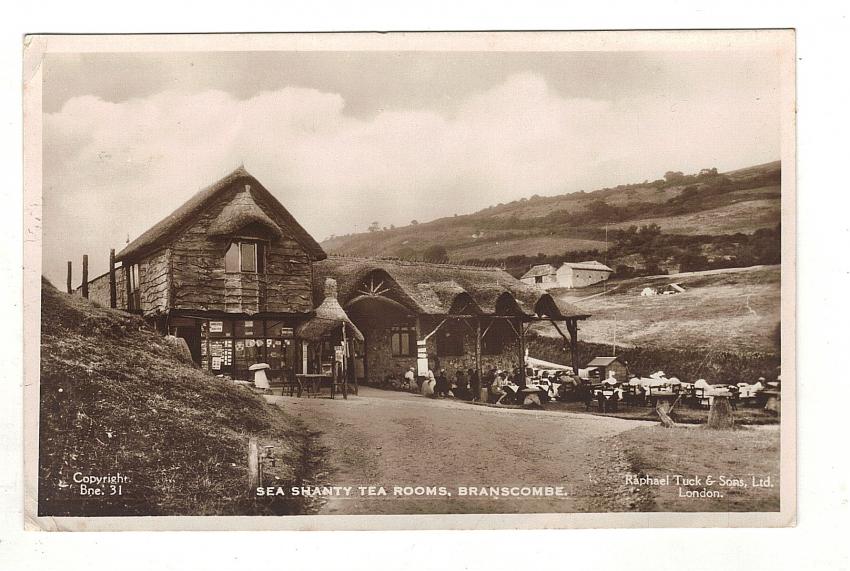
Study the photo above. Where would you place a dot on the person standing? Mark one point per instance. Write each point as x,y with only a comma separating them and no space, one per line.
462,385
475,384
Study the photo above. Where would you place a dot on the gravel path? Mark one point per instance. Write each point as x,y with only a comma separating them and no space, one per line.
384,438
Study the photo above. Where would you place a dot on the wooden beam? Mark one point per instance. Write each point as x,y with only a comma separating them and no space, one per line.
85,275
112,285
68,285
434,330
478,356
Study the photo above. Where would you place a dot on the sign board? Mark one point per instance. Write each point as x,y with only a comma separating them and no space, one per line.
216,363
421,359
216,326
339,353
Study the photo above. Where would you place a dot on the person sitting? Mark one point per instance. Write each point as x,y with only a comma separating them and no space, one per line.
461,385
497,389
409,379
442,388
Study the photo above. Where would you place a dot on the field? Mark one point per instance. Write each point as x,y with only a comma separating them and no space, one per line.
741,216
733,310
735,455
117,398
746,201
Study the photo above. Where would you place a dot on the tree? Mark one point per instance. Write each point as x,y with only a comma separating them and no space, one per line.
435,253
414,222
374,226
671,176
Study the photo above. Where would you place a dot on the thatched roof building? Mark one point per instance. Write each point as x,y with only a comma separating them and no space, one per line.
442,289
239,211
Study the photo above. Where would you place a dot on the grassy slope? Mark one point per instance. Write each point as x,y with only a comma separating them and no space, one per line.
741,211
728,310
116,398
656,451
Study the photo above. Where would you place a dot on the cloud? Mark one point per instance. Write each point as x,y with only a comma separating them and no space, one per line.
114,169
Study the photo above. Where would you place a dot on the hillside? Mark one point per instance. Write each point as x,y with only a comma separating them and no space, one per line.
116,398
703,204
721,310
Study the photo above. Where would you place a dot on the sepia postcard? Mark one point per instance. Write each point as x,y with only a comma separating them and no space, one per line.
410,280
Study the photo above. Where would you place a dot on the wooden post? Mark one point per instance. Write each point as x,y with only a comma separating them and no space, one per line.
85,275
112,292
478,354
69,286
253,465
522,350
127,271
720,414
572,328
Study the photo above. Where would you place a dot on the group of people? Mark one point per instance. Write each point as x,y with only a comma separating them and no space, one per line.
466,385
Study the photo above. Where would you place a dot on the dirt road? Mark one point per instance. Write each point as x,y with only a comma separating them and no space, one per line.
394,439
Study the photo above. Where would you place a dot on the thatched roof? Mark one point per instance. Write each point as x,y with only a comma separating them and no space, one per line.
435,289
329,317
164,230
239,213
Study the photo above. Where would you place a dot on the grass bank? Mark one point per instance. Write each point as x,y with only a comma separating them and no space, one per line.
116,398
731,463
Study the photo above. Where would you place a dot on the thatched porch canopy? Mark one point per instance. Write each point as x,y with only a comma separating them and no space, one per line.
441,289
329,319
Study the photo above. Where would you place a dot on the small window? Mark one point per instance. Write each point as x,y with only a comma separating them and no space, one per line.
133,301
244,257
538,279
402,341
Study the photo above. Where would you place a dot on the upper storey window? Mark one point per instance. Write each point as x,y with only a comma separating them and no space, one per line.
245,257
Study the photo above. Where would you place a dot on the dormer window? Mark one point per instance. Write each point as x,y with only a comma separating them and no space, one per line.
245,257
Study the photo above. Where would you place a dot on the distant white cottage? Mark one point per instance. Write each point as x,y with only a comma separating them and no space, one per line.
569,275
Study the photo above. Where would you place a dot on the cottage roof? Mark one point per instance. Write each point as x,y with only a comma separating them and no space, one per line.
435,289
591,265
602,361
329,316
164,230
539,270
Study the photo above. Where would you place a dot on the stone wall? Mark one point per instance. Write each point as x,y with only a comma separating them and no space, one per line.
380,363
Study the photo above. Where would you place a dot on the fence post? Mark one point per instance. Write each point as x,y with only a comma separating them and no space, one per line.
112,292
253,465
69,286
85,275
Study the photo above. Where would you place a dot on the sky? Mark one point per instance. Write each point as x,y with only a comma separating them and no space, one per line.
346,138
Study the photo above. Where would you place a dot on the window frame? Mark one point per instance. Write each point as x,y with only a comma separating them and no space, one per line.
399,331
259,248
134,282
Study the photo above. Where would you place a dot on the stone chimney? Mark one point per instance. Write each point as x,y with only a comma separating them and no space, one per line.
330,288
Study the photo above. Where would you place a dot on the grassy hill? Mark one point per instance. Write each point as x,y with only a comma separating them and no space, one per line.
741,201
728,310
117,398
